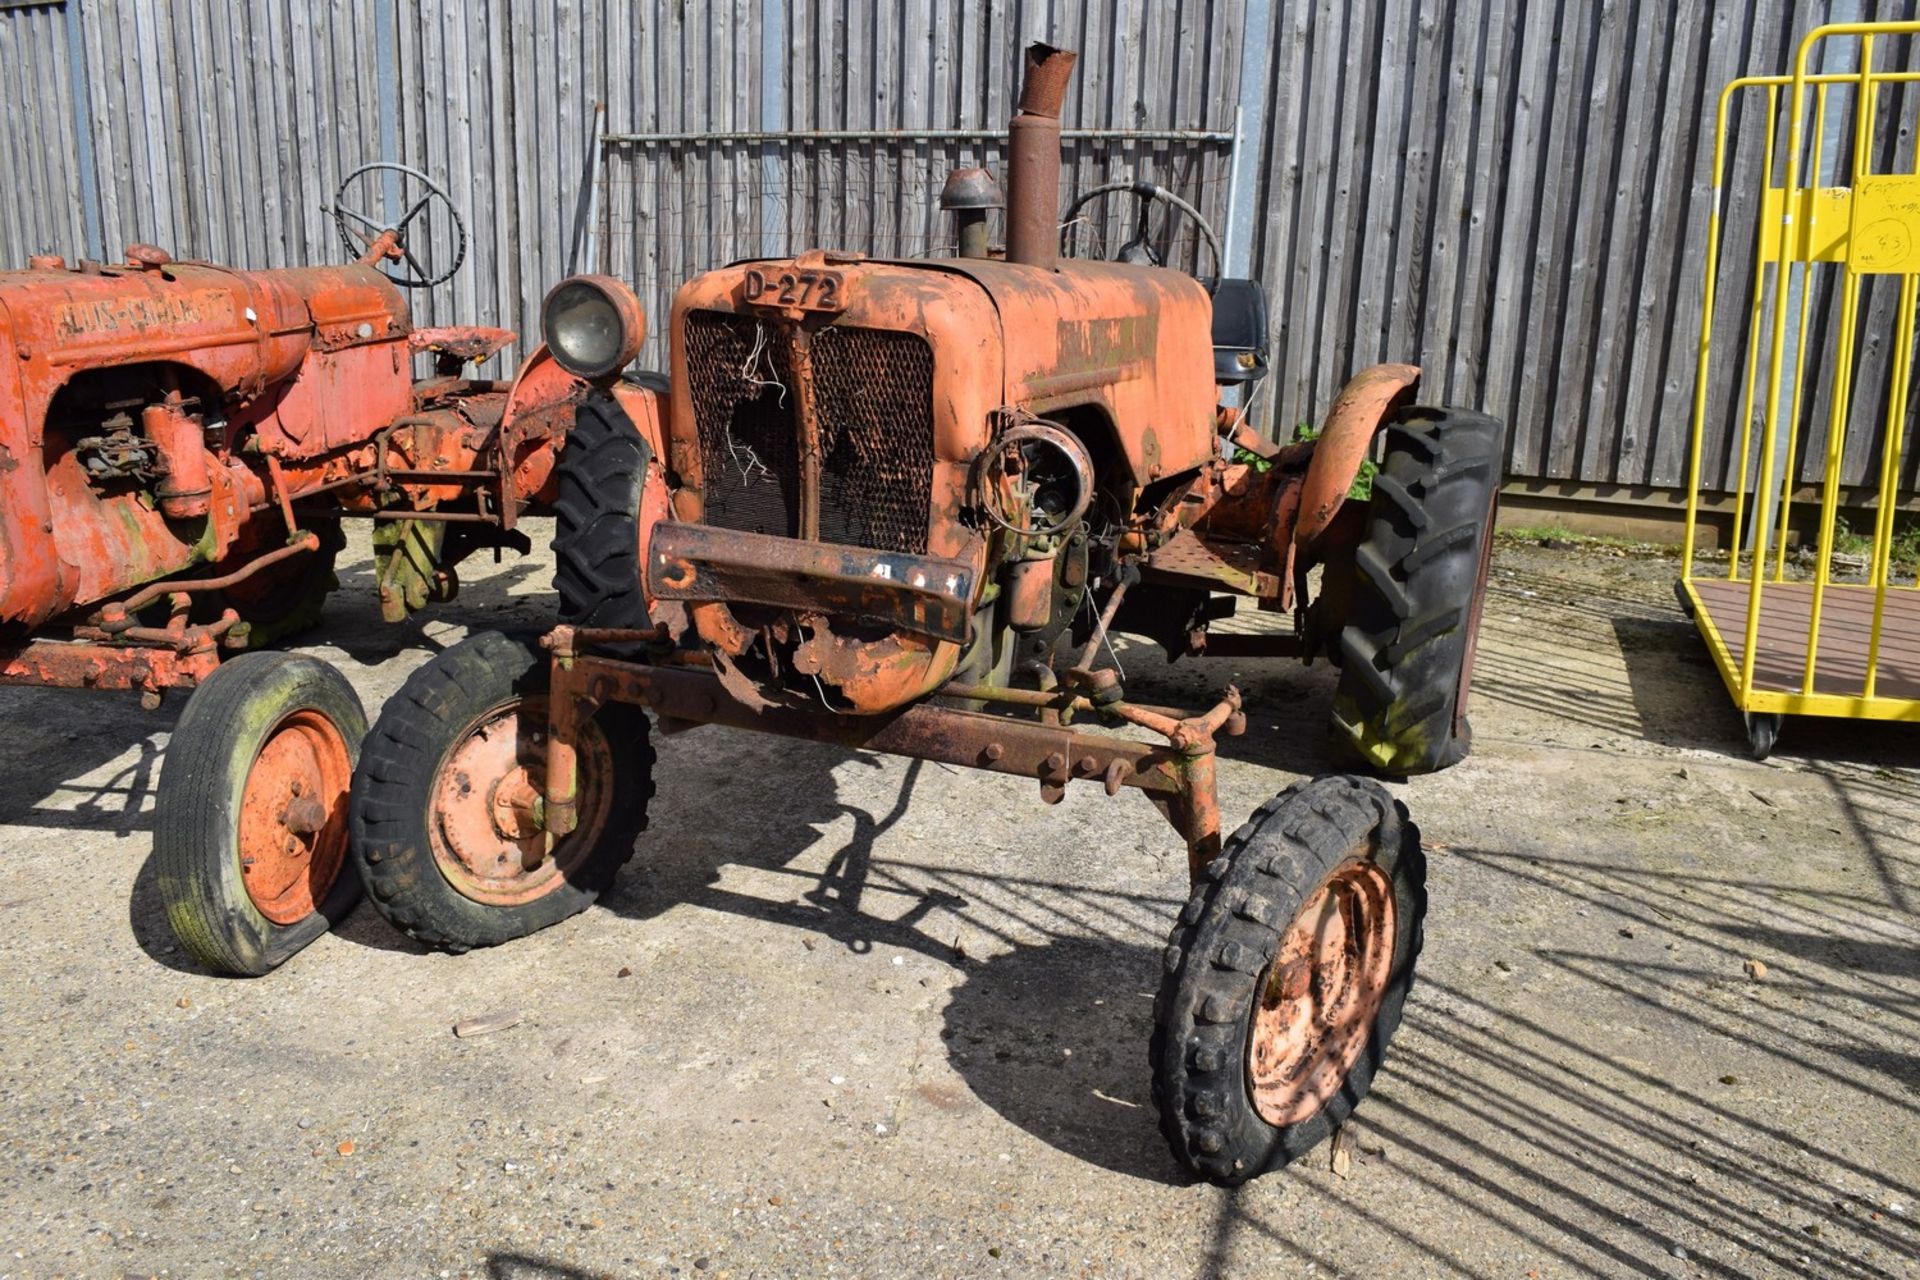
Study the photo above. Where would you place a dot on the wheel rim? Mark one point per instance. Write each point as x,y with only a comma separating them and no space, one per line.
1316,1002
293,817
486,829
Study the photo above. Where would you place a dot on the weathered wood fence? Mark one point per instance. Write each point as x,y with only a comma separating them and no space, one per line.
1512,192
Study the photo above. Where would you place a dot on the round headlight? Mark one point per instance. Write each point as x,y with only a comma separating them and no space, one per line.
593,325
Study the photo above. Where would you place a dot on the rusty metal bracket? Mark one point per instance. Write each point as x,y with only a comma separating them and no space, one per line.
1177,775
922,594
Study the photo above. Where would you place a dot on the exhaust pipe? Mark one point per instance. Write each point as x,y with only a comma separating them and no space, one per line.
1033,162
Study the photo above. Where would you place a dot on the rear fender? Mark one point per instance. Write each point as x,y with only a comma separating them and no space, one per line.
1359,411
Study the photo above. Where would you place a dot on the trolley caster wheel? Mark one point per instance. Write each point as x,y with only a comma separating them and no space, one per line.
1285,978
250,829
1763,731
445,816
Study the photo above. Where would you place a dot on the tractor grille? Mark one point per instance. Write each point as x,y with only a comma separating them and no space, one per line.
873,389
749,450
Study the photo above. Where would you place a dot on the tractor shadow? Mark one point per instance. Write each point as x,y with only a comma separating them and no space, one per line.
1053,1037
1050,1034
487,601
55,770
102,779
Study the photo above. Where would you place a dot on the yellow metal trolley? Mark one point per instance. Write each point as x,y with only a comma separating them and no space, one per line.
1802,642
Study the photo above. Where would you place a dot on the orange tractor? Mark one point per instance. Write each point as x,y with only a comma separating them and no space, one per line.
901,506
179,443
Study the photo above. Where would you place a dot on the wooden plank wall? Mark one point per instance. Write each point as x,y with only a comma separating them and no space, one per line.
1513,193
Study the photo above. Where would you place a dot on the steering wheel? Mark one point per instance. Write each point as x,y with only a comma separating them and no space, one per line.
1139,251
414,198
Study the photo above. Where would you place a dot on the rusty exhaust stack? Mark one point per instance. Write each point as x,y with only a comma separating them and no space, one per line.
1033,167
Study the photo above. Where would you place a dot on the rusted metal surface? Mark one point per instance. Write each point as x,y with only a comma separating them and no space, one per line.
1346,435
164,427
301,545
918,593
1033,160
1180,779
454,346
1228,644
489,836
140,668
1318,998
1219,564
292,833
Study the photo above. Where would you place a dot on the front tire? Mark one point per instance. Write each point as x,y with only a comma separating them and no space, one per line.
602,472
1419,581
1285,978
250,829
444,817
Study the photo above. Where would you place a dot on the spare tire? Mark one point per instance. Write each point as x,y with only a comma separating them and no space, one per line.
1418,580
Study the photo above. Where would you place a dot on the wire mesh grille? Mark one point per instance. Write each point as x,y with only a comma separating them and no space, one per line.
738,374
874,392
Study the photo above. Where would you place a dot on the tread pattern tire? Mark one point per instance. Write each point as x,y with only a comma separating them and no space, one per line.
1219,951
1417,593
197,816
596,543
394,787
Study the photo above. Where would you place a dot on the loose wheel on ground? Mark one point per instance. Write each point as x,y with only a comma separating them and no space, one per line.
1406,647
250,829
1285,978
447,802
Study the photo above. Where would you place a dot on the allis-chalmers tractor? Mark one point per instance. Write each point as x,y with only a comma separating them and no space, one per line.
900,506
178,445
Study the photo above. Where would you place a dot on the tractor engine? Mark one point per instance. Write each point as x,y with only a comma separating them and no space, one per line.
881,471
124,391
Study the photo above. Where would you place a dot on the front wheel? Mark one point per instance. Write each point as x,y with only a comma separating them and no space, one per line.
250,829
1285,978
445,818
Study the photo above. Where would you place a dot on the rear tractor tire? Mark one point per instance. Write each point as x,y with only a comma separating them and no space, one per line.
250,829
444,818
1285,978
1405,650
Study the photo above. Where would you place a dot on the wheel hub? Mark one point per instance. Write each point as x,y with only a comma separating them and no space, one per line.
293,833
488,836
1316,1003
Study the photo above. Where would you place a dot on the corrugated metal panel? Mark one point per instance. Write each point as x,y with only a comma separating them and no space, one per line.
1510,192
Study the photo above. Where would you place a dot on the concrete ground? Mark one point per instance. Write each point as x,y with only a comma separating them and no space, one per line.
887,1019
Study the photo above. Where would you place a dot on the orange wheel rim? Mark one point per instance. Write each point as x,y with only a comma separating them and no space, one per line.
1316,1002
486,829
293,817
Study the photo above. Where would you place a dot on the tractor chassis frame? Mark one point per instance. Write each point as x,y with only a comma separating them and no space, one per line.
1037,741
